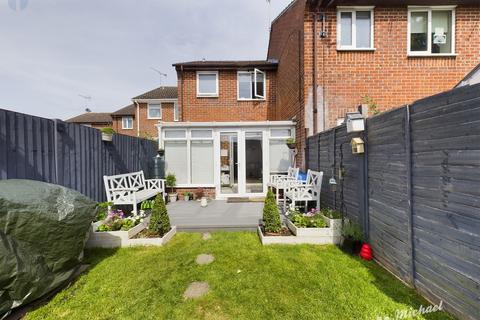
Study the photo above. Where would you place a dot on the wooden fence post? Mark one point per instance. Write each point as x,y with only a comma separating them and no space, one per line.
408,160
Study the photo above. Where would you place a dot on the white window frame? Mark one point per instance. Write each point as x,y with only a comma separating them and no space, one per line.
123,123
176,112
255,96
429,9
148,110
354,10
209,94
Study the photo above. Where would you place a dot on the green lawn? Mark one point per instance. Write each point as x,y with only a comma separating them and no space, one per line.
247,281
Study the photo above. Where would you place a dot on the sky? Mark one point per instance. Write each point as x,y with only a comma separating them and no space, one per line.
58,57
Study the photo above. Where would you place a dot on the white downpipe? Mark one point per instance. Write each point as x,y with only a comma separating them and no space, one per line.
138,118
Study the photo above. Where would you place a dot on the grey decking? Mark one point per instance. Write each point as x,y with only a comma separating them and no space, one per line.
218,215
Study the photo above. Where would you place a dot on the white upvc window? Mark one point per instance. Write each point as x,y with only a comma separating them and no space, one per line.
154,111
127,122
190,156
176,112
207,83
280,154
355,28
251,85
431,31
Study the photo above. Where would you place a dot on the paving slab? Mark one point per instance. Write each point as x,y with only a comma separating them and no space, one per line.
196,290
203,259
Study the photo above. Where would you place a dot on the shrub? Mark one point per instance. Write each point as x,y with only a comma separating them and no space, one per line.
330,213
102,210
171,181
352,231
313,221
159,220
108,130
271,218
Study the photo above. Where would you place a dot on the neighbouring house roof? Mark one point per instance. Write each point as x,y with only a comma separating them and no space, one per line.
227,65
125,111
384,3
92,117
159,93
472,77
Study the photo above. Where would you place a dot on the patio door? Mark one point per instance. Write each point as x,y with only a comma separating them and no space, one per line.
242,159
229,163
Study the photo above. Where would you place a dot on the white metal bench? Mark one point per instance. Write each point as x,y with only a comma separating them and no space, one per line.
308,191
282,181
132,188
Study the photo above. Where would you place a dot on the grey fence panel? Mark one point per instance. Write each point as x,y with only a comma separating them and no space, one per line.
387,194
446,198
26,147
423,193
67,154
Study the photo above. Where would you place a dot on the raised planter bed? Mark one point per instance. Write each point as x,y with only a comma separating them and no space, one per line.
329,235
113,239
153,241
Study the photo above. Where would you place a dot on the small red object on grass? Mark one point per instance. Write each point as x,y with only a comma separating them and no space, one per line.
366,252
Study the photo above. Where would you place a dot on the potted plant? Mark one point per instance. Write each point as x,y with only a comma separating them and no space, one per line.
107,134
291,144
186,196
171,181
352,237
271,219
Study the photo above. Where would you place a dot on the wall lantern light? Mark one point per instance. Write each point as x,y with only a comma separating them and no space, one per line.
355,122
333,184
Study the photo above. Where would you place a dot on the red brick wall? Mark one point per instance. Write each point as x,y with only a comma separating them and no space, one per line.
225,107
387,75
286,45
147,126
117,126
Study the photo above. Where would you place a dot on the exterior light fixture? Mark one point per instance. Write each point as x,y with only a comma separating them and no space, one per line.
355,122
333,184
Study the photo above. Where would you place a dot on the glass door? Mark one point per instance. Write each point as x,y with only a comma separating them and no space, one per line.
229,163
253,162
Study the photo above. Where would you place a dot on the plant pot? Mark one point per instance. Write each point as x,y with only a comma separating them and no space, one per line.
351,246
291,145
204,202
172,197
186,198
107,137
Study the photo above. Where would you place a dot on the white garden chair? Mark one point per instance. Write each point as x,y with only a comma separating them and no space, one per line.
305,192
282,181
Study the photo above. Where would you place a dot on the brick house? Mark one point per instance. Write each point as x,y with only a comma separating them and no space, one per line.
384,53
97,120
225,125
146,110
225,141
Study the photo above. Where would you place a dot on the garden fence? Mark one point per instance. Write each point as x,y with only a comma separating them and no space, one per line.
416,192
67,154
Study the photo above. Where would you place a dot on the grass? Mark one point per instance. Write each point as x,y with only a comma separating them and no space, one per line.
247,281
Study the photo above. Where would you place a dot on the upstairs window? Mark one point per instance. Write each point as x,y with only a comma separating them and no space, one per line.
251,85
127,122
207,84
154,111
431,31
355,28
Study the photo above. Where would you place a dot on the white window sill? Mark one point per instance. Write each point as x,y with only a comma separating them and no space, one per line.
239,99
430,55
154,118
356,49
207,95
127,128
194,186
